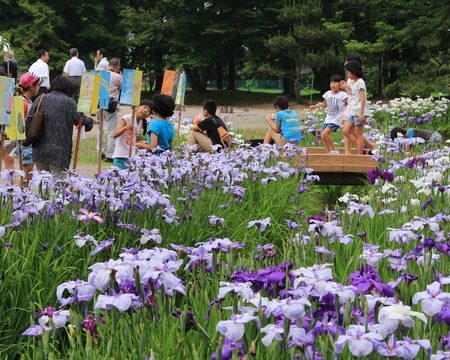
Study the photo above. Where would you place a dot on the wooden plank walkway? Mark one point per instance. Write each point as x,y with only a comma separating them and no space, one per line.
338,169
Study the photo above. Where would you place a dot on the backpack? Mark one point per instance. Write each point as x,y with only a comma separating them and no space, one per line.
225,136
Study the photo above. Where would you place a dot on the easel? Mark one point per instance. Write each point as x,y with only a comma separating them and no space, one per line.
2,131
100,142
133,132
77,144
179,126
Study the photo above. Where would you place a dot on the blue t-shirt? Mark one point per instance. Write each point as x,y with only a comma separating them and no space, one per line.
163,129
290,125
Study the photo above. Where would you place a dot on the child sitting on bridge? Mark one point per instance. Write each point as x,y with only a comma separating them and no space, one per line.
431,137
284,126
335,101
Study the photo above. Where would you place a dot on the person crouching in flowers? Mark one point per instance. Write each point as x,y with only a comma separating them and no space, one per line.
124,132
284,126
432,138
160,133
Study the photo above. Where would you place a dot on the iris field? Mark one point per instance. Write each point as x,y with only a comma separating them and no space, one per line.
235,255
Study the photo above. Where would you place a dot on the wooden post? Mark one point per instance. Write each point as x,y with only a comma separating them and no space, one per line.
1,146
133,134
77,144
19,144
179,126
312,85
100,143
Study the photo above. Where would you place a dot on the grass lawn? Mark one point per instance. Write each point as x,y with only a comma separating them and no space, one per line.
242,98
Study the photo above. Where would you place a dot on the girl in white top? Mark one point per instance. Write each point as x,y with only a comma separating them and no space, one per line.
125,132
358,110
347,86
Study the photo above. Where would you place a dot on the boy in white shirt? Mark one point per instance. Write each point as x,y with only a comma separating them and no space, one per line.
335,101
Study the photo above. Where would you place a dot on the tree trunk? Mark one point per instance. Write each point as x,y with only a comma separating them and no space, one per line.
195,80
297,83
231,72
288,87
219,76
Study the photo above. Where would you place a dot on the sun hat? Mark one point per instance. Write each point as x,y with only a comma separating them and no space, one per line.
27,80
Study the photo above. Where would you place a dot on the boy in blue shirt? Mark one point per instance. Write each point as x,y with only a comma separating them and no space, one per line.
284,126
160,133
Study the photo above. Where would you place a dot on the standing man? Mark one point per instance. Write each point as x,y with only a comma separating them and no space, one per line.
112,114
40,69
74,68
10,65
101,62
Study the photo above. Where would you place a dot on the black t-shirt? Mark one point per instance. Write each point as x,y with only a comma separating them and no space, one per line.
12,68
210,125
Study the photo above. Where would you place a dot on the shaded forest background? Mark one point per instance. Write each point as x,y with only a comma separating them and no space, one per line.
404,44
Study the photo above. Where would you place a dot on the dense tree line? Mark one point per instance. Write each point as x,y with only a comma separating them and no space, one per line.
405,45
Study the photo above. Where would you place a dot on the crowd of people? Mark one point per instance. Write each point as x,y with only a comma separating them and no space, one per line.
346,104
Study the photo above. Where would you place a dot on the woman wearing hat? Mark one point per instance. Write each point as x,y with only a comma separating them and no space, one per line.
28,87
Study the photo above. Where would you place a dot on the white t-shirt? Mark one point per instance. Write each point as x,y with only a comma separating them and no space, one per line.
335,107
40,69
355,101
74,67
122,147
103,64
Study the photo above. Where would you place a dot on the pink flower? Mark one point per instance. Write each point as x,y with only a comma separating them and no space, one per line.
87,216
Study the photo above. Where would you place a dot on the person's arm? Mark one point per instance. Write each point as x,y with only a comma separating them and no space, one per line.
272,124
362,98
66,69
322,104
122,126
153,142
195,127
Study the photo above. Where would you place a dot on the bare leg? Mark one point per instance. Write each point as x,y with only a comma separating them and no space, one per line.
268,137
359,132
9,160
325,136
347,132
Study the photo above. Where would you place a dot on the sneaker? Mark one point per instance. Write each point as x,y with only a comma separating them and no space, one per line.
335,152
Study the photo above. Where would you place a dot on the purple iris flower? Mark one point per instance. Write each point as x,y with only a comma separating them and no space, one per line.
102,246
367,279
259,224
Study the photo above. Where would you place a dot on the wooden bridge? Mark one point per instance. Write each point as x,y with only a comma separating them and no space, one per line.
338,169
334,169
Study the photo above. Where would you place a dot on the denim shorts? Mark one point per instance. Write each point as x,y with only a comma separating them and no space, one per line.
27,155
331,126
354,120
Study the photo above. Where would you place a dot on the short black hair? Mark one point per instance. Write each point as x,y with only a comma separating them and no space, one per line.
355,68
146,102
73,52
281,101
397,130
102,51
63,84
336,78
354,57
211,106
41,53
163,105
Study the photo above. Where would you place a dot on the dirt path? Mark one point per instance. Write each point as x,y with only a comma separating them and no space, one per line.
242,118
